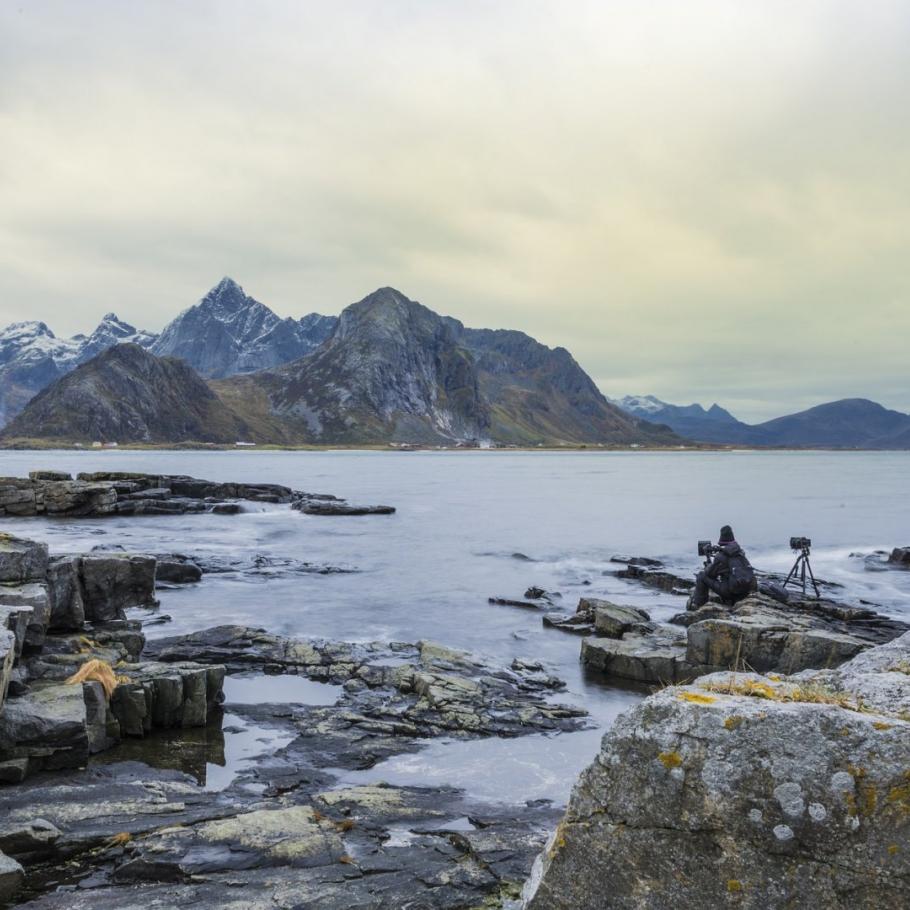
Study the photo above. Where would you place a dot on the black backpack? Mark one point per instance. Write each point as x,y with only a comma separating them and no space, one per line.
742,576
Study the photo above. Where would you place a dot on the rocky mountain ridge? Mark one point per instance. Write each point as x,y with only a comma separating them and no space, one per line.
391,371
396,371
226,332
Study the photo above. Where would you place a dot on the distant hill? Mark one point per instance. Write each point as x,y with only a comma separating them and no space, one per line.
229,332
849,423
32,356
714,424
126,394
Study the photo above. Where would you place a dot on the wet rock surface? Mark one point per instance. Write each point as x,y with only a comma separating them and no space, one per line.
96,494
107,745
749,791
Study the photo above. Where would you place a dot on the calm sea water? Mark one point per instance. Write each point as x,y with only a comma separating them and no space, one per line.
427,571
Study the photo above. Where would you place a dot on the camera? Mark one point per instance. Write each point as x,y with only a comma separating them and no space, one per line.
706,548
800,543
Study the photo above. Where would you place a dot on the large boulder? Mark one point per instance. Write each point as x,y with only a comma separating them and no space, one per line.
613,620
175,569
47,726
113,582
21,561
64,589
757,792
900,556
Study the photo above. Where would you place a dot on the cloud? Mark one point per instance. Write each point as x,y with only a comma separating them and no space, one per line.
704,200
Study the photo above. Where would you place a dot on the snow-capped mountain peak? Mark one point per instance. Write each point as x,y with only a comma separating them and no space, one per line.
229,332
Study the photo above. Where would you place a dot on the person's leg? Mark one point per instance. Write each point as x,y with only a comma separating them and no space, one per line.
700,595
722,590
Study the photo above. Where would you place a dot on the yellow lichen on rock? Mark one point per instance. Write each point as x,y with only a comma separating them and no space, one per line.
670,760
696,698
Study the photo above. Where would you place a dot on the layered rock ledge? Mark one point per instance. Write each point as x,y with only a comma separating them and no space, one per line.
55,493
749,791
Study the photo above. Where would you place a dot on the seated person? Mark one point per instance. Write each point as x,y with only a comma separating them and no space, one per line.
730,575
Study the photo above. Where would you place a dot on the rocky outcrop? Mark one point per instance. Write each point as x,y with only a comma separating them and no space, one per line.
759,633
418,690
900,557
100,493
749,791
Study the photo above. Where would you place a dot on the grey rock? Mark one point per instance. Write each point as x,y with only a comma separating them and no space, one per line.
47,726
32,597
338,507
11,877
64,588
21,561
175,569
112,583
900,557
16,618
612,620
650,657
7,658
28,839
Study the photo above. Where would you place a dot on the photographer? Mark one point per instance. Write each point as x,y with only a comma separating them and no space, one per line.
729,574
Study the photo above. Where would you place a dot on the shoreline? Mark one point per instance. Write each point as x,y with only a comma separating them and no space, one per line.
406,448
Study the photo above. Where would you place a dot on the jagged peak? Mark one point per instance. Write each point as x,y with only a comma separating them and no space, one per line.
27,327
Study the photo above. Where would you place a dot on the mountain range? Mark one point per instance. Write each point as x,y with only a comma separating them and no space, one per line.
386,370
389,370
848,423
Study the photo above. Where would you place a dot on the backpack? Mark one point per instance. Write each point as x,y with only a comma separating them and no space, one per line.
742,576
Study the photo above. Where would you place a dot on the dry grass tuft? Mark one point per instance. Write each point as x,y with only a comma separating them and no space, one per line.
97,671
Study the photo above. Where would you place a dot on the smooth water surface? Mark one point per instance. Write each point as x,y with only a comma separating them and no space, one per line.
465,523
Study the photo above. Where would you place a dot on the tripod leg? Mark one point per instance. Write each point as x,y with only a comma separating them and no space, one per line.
818,595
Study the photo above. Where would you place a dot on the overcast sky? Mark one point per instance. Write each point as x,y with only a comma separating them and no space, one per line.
701,200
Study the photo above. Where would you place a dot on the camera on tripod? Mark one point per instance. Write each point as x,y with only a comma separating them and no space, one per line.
801,573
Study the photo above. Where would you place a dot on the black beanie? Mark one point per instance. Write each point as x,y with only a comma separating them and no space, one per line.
726,534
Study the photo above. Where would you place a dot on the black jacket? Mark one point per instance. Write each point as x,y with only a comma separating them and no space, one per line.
720,565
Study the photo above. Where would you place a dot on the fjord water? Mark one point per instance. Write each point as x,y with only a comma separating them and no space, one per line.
474,524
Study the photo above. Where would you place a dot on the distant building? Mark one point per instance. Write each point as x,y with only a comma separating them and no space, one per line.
241,444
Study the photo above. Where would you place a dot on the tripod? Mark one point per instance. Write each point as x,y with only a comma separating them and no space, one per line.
802,568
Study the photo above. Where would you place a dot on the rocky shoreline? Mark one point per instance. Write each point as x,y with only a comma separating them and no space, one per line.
87,825
93,494
120,785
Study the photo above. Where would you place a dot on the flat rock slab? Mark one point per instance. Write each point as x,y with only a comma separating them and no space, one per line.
657,657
